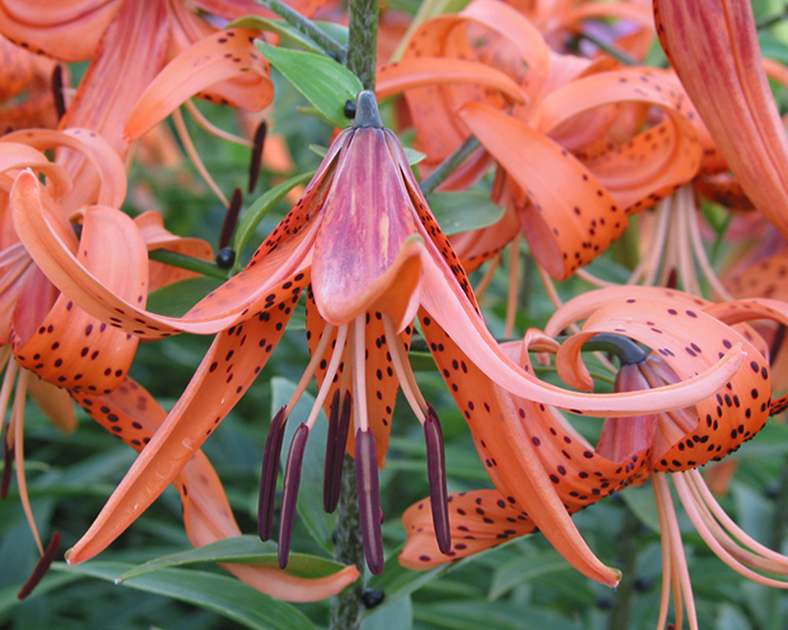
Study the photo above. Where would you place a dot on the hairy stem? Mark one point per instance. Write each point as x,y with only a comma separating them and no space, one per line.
307,27
187,262
346,608
450,164
363,41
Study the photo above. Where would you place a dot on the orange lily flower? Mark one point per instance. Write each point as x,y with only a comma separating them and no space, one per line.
686,333
50,336
364,293
713,46
597,168
133,415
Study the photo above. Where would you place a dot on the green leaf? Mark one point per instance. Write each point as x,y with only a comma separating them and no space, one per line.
261,207
463,211
310,493
471,615
523,568
223,595
175,299
51,582
241,550
398,616
641,502
324,82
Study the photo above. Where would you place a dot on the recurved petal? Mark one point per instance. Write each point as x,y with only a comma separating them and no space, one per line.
55,402
221,56
571,217
233,361
713,46
70,348
480,520
67,30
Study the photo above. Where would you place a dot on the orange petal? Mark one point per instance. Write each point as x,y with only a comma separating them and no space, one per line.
55,402
221,56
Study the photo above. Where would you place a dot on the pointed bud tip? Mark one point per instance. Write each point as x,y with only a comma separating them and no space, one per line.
367,113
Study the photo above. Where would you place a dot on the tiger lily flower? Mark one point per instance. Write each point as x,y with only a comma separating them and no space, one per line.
721,68
686,333
597,169
133,415
41,330
365,243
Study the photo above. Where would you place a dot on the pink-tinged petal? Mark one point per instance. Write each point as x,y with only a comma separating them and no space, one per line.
35,225
67,30
70,348
571,217
415,72
156,236
16,267
480,520
105,160
348,276
56,403
234,360
15,156
224,55
133,415
713,45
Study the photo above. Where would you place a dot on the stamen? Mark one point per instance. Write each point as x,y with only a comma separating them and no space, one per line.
295,459
314,361
8,467
41,568
57,91
191,151
514,285
436,472
212,129
407,380
650,261
338,427
17,429
489,273
369,499
231,219
358,354
257,155
271,455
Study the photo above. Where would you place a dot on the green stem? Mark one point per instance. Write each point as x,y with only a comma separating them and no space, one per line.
307,27
450,164
627,351
363,41
768,21
613,51
187,262
347,608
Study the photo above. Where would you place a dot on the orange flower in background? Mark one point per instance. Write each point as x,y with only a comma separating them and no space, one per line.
372,256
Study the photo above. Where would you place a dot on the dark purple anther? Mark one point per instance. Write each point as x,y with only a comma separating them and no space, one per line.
369,499
295,459
338,426
436,472
257,155
271,454
231,218
57,91
8,468
41,568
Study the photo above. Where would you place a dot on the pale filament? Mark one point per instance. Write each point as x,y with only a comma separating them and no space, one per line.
17,428
357,350
191,151
591,279
649,263
407,380
212,129
5,391
314,361
679,573
331,370
514,285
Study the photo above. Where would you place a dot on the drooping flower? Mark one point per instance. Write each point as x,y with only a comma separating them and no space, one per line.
685,333
365,243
